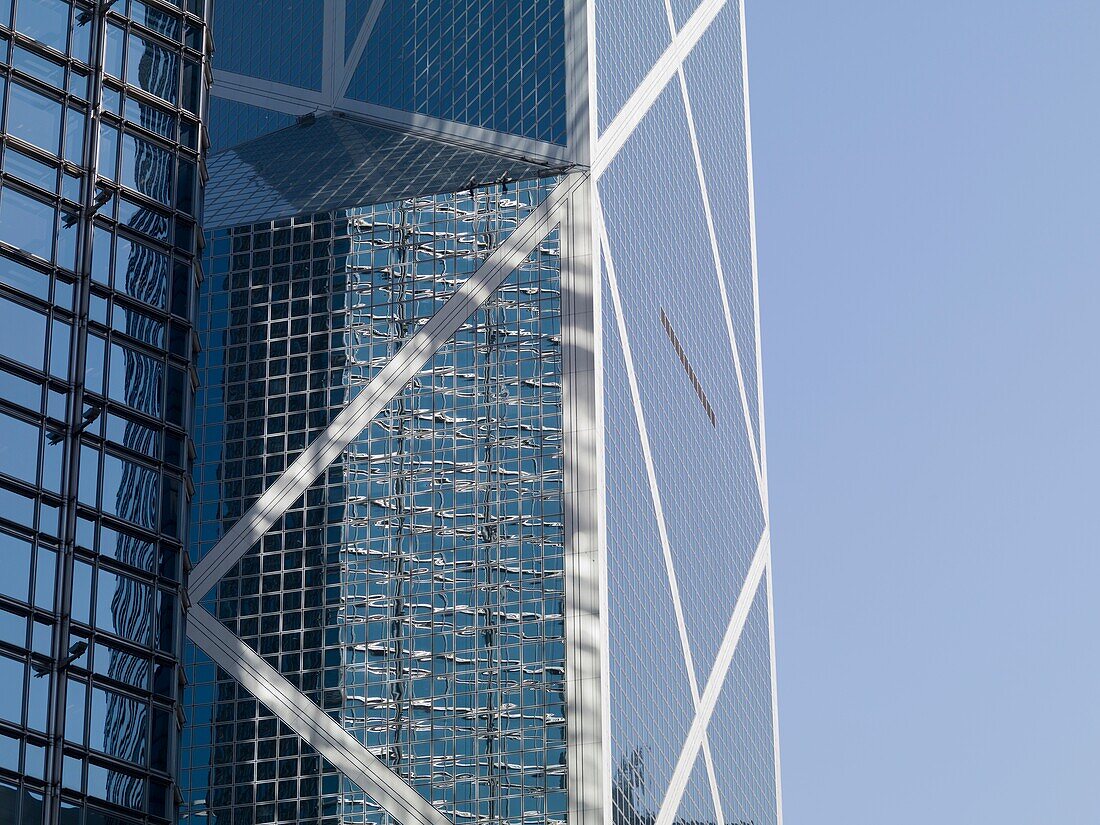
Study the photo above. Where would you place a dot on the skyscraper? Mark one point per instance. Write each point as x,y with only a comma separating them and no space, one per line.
479,523
481,513
100,199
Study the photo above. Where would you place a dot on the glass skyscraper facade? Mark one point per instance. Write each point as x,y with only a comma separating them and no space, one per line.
450,351
100,261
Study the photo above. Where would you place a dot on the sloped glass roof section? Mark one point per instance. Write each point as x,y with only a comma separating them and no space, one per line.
332,162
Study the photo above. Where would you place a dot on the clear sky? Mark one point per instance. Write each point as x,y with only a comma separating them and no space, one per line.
928,202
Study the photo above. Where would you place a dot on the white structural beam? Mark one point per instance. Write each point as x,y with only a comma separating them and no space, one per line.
586,761
753,258
409,360
349,66
305,718
690,750
643,98
655,499
775,696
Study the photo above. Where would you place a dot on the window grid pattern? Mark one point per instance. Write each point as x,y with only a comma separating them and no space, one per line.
122,675
299,316
491,63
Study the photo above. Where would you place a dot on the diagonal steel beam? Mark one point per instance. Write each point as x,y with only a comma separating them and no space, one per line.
317,728
408,361
358,47
643,98
671,803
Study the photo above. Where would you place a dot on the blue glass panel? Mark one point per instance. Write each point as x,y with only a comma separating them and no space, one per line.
25,333
153,67
17,566
47,21
741,728
630,37
489,63
124,606
686,374
715,84
34,118
136,380
11,689
146,168
283,46
651,706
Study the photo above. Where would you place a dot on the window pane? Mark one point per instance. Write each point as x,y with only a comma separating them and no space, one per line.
25,279
31,170
24,337
18,448
123,607
34,118
47,21
16,553
153,68
11,689
136,380
130,491
146,168
141,272
26,223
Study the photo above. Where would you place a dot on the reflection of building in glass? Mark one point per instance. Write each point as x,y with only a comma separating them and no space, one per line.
98,266
480,527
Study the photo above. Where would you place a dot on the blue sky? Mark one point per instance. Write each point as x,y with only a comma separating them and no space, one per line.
928,202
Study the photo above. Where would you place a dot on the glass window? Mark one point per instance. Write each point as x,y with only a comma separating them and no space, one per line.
37,66
112,711
82,592
136,380
139,438
146,168
151,117
130,491
47,21
18,390
141,272
123,607
16,553
153,68
74,136
34,118
116,37
24,278
24,337
11,689
29,169
26,223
